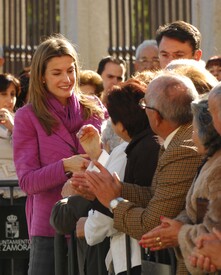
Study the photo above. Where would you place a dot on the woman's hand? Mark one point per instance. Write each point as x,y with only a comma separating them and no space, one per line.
7,119
206,257
76,163
215,235
90,141
206,253
163,236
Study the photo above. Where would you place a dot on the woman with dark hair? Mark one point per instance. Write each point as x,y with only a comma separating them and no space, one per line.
9,91
203,202
130,122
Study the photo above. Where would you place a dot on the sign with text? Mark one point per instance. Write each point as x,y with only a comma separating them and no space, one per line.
14,241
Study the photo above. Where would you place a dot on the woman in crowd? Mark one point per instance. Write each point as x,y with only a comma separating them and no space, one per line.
203,201
130,122
213,65
9,91
91,83
46,149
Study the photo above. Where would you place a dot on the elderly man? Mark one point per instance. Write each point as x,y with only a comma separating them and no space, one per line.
136,209
147,56
178,40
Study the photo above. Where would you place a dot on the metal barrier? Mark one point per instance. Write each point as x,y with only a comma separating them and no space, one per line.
66,262
133,21
14,240
24,23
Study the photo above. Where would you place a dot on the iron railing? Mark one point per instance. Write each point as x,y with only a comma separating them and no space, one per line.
132,21
24,23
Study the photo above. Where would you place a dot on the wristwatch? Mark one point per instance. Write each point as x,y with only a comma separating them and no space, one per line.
114,203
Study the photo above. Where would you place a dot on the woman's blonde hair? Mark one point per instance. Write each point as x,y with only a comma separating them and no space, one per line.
54,46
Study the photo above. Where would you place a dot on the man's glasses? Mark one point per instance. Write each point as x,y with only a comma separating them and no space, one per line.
154,61
143,105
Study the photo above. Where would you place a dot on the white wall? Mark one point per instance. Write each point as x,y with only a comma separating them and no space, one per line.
206,16
85,22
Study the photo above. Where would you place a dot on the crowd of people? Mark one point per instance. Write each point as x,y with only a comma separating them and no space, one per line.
132,166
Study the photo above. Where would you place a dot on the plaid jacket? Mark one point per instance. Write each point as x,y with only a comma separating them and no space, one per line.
174,174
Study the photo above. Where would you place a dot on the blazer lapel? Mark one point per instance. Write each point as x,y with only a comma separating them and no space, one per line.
63,133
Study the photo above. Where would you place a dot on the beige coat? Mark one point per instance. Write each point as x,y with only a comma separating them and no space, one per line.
208,186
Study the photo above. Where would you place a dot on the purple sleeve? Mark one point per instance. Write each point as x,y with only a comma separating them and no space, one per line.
33,178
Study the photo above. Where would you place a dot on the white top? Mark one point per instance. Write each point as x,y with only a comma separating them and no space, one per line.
7,167
98,226
109,137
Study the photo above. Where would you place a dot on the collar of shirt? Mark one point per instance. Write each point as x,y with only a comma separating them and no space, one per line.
169,138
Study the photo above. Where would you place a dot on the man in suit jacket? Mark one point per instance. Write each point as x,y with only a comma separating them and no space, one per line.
137,209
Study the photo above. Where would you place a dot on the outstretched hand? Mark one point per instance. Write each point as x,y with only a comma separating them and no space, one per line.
90,140
76,163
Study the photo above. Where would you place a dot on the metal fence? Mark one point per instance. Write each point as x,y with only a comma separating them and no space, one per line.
132,21
24,23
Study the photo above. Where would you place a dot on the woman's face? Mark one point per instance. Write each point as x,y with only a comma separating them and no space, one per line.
195,136
120,131
60,77
216,71
8,98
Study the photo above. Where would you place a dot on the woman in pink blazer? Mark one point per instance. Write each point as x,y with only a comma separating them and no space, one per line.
46,149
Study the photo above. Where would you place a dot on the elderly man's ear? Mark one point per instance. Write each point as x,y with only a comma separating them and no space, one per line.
157,118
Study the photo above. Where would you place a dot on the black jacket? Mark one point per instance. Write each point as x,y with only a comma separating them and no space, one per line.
142,156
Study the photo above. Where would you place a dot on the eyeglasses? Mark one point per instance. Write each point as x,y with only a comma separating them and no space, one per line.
154,61
143,105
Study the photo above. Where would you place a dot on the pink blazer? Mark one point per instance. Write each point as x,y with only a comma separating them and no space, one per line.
38,160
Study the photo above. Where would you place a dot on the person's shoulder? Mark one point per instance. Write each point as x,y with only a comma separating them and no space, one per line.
182,143
26,108
24,111
215,159
183,137
185,130
119,149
